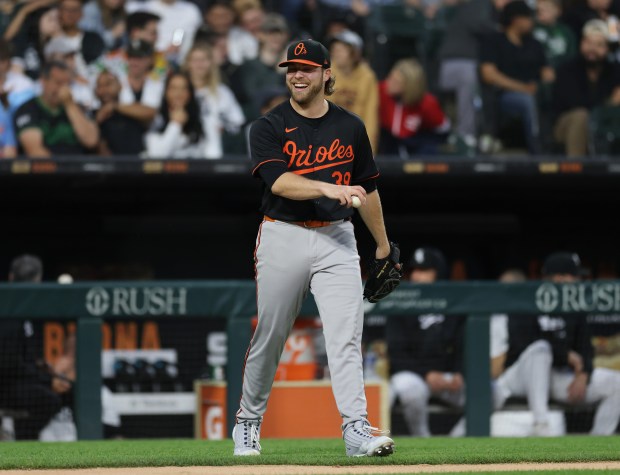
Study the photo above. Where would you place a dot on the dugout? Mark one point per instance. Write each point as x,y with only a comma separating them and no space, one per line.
89,304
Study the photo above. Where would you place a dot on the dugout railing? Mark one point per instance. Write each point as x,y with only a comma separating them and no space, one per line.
89,303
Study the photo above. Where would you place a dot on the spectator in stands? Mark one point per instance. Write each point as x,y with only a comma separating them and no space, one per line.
107,19
63,50
251,16
24,386
220,18
514,63
140,26
550,356
177,132
590,80
179,21
121,134
411,118
17,86
15,89
33,26
90,45
220,111
141,92
470,20
357,89
262,72
425,352
578,13
557,38
320,17
52,123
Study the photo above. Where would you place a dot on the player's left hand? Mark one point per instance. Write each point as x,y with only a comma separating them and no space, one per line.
577,389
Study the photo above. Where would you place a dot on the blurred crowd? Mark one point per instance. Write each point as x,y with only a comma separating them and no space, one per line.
185,78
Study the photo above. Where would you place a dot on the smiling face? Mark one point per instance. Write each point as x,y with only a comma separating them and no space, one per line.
306,83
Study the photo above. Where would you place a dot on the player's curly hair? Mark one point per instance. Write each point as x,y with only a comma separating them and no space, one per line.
329,86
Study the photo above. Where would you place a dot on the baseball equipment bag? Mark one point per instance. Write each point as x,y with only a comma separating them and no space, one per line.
383,275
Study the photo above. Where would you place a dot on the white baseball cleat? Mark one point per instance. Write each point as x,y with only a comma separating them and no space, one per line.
246,435
359,440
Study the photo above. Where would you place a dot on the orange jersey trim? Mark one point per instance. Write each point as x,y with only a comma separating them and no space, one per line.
267,161
369,178
322,167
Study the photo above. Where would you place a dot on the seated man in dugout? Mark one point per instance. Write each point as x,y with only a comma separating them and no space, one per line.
587,81
425,351
24,385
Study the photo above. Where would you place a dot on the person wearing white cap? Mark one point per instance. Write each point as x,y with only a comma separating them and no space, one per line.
583,83
358,89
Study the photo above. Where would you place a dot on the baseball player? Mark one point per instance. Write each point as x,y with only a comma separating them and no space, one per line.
425,352
313,157
550,356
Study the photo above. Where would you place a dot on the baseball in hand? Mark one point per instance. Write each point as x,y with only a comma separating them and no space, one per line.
355,201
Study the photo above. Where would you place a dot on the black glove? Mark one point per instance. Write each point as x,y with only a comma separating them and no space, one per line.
383,275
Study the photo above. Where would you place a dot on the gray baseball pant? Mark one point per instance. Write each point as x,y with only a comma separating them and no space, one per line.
290,260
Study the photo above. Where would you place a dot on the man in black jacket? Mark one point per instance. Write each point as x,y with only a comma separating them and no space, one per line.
550,356
23,386
583,83
425,351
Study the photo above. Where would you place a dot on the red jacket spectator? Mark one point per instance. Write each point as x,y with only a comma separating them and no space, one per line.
407,120
411,118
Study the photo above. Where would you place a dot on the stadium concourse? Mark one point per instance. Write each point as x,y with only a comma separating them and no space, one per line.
591,467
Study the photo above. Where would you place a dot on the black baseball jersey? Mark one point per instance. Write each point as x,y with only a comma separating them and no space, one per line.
333,148
564,333
424,343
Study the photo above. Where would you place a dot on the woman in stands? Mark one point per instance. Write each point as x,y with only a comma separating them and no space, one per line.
219,108
177,131
412,121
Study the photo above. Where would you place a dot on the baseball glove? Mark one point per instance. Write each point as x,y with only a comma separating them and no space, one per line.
383,275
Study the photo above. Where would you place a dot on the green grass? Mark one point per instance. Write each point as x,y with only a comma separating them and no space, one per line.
144,453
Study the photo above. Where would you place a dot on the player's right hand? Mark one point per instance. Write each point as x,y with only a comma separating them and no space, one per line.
343,194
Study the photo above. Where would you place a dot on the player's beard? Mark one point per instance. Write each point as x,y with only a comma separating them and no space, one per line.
305,96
